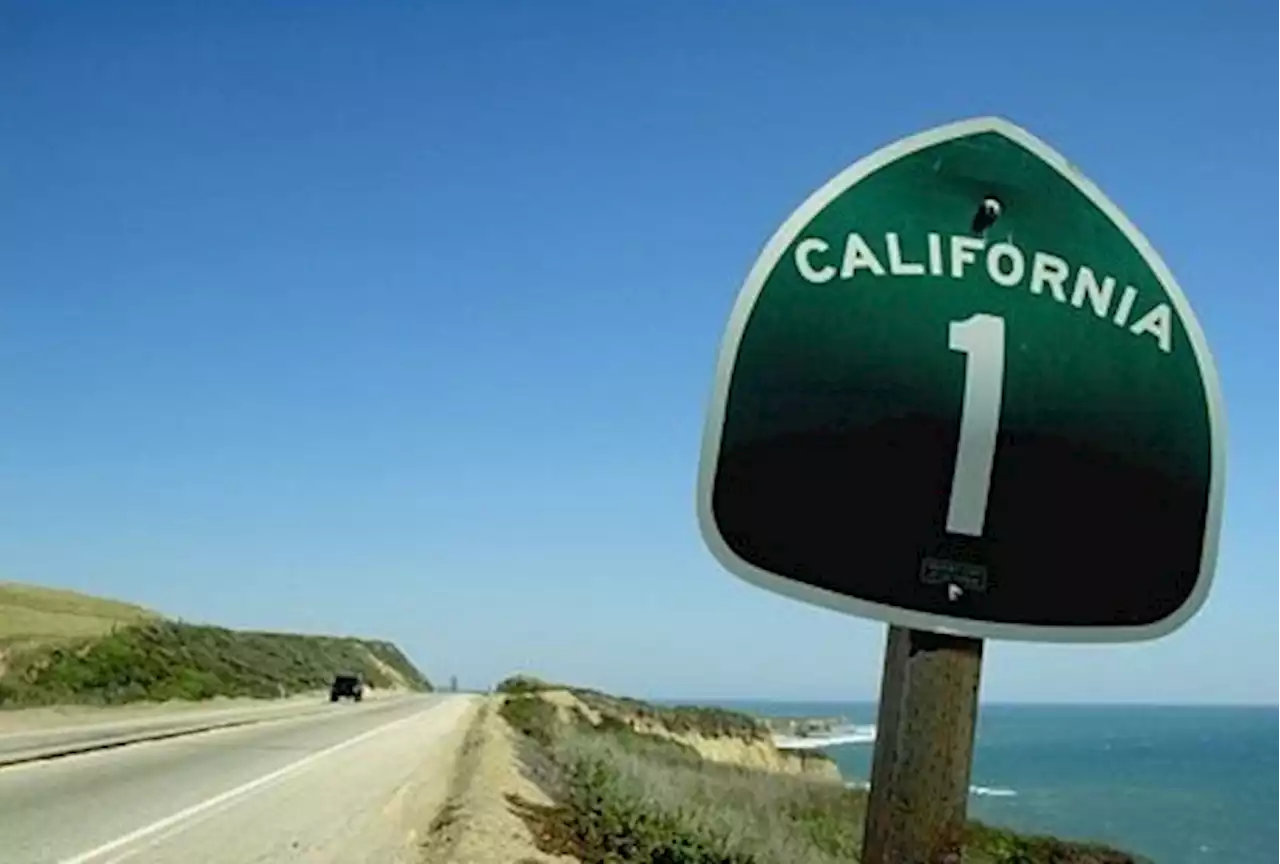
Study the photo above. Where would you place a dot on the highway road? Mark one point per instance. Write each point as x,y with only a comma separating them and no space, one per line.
24,744
351,783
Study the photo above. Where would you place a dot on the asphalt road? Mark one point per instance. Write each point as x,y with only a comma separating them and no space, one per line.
340,785
23,743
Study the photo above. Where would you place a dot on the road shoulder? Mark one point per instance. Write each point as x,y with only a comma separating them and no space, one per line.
475,824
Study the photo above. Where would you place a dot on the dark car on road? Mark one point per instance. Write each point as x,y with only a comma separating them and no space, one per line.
346,686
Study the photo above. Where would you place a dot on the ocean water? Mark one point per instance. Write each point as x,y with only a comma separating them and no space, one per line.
1186,785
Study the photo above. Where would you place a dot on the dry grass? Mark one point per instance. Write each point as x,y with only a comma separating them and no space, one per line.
620,795
677,719
32,612
634,792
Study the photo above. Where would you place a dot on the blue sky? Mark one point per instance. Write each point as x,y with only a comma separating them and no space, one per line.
399,319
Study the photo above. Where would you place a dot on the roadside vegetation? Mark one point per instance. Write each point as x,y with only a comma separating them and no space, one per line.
678,719
625,796
62,647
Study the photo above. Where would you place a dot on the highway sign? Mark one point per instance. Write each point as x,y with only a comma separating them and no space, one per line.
960,392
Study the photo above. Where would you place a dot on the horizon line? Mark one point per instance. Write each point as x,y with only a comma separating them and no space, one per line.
693,700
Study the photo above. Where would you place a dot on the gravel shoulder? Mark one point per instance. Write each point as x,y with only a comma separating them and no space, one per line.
475,824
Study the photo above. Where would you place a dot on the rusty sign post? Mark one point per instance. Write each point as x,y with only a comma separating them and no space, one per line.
960,393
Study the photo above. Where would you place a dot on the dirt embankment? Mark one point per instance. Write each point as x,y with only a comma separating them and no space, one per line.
476,824
498,773
745,751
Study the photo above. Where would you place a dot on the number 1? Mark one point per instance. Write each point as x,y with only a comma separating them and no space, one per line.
981,339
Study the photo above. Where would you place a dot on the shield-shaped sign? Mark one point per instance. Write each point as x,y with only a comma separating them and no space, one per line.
959,391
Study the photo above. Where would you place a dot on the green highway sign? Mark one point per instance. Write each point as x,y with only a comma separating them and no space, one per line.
959,391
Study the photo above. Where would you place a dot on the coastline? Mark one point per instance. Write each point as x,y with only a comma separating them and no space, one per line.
688,782
855,734
844,734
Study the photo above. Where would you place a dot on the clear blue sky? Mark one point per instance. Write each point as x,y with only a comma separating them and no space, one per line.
399,318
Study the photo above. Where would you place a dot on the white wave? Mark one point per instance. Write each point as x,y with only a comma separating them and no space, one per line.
986,791
839,735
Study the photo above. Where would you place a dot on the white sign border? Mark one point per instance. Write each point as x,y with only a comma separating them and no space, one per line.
746,301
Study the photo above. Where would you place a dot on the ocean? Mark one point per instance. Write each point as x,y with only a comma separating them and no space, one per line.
1188,785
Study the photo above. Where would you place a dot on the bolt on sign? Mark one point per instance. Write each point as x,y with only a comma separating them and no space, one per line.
959,391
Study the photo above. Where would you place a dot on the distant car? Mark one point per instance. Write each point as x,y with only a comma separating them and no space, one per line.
346,686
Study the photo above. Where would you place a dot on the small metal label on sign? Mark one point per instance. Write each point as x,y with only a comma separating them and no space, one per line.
939,571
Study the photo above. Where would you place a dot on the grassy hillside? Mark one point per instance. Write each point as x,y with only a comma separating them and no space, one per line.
61,647
619,795
32,612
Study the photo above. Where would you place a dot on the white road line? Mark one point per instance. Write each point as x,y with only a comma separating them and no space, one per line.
134,849
243,789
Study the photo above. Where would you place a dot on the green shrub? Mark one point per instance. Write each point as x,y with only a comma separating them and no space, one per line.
680,719
650,747
164,660
1001,846
518,684
532,716
658,801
